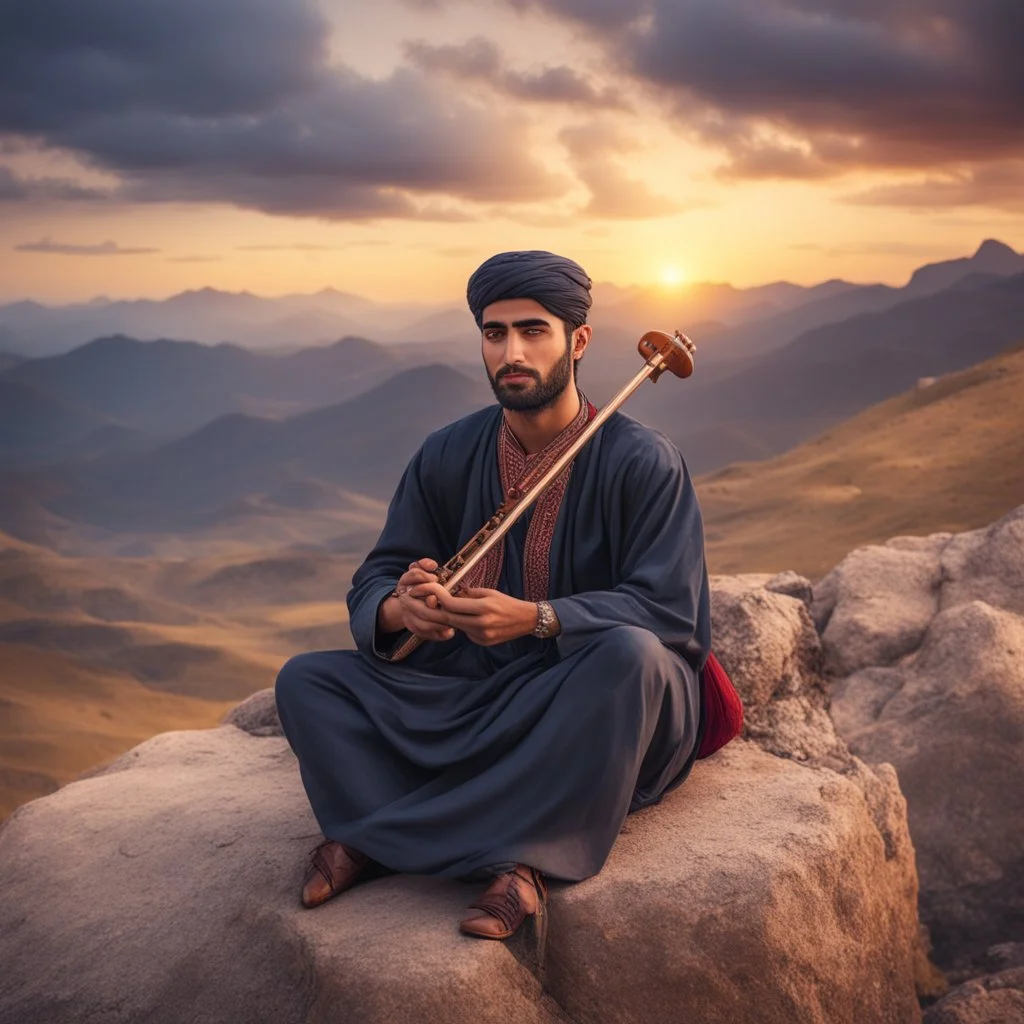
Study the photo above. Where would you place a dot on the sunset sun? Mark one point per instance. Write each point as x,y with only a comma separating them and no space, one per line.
671,277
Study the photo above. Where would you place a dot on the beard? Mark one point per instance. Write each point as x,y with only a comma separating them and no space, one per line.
536,397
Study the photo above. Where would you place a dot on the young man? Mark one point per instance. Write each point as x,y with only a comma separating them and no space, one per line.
559,691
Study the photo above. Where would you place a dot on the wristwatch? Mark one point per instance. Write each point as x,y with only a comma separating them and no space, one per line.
547,621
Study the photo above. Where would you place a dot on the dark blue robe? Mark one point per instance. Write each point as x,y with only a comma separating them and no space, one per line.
463,759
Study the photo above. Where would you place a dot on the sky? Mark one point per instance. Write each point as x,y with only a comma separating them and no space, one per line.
386,149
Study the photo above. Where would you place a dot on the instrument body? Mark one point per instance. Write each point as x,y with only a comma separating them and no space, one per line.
661,351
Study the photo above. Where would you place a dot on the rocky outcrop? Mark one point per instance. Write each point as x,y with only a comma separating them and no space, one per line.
925,641
777,884
993,999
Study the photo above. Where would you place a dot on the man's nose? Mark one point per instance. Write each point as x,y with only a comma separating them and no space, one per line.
514,348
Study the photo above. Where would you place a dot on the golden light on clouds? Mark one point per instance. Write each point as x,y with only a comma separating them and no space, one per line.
388,149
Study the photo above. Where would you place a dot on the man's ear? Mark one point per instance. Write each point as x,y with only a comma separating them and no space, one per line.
581,339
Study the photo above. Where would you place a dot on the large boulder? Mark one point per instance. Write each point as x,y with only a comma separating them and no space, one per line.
770,887
926,642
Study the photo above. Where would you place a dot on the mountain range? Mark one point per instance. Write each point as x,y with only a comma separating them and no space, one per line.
293,321
165,388
124,435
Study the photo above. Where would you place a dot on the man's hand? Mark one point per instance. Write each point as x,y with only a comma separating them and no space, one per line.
486,616
419,614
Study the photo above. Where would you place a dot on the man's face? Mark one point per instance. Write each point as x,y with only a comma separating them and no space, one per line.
526,354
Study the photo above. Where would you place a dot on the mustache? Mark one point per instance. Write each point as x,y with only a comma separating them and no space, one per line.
508,371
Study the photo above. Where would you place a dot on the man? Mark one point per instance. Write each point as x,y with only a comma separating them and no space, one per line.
556,693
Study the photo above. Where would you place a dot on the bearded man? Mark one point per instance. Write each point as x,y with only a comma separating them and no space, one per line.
560,690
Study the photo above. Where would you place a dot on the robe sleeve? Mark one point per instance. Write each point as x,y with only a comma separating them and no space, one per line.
411,531
663,576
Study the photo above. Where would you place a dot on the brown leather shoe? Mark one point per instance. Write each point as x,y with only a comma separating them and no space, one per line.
333,868
508,901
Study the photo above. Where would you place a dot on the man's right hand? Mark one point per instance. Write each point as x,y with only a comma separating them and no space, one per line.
421,616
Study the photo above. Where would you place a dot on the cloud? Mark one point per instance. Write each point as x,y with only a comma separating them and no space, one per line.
613,193
311,246
814,88
480,60
237,101
17,188
874,249
999,186
194,259
102,249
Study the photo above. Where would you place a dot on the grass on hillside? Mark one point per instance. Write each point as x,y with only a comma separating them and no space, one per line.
944,457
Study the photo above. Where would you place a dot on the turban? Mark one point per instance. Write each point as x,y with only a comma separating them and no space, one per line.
559,284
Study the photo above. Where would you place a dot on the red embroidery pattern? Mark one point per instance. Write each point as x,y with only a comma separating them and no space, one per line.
518,470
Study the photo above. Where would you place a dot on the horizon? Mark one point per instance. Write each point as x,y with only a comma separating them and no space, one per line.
680,287
395,148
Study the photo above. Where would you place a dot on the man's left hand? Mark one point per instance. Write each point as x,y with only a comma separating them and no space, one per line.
486,616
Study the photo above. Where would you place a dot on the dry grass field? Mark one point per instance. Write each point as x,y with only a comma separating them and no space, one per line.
97,654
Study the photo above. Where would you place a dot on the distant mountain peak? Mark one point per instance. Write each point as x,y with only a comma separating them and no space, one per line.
993,247
991,257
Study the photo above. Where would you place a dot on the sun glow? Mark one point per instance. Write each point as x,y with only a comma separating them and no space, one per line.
671,277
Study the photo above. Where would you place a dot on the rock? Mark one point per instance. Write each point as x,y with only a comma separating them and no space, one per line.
791,584
175,898
995,999
928,641
165,888
256,715
987,565
880,601
767,643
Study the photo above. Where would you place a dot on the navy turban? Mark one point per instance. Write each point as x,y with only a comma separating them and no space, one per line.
559,284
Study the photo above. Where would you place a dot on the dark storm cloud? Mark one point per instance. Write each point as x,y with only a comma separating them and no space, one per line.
235,101
809,88
44,245
480,60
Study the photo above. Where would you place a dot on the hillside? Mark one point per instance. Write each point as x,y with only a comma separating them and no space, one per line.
101,653
218,472
35,425
945,456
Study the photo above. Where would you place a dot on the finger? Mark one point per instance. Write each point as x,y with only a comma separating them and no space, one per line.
424,563
476,593
431,594
428,589
437,633
421,615
469,624
413,576
462,605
